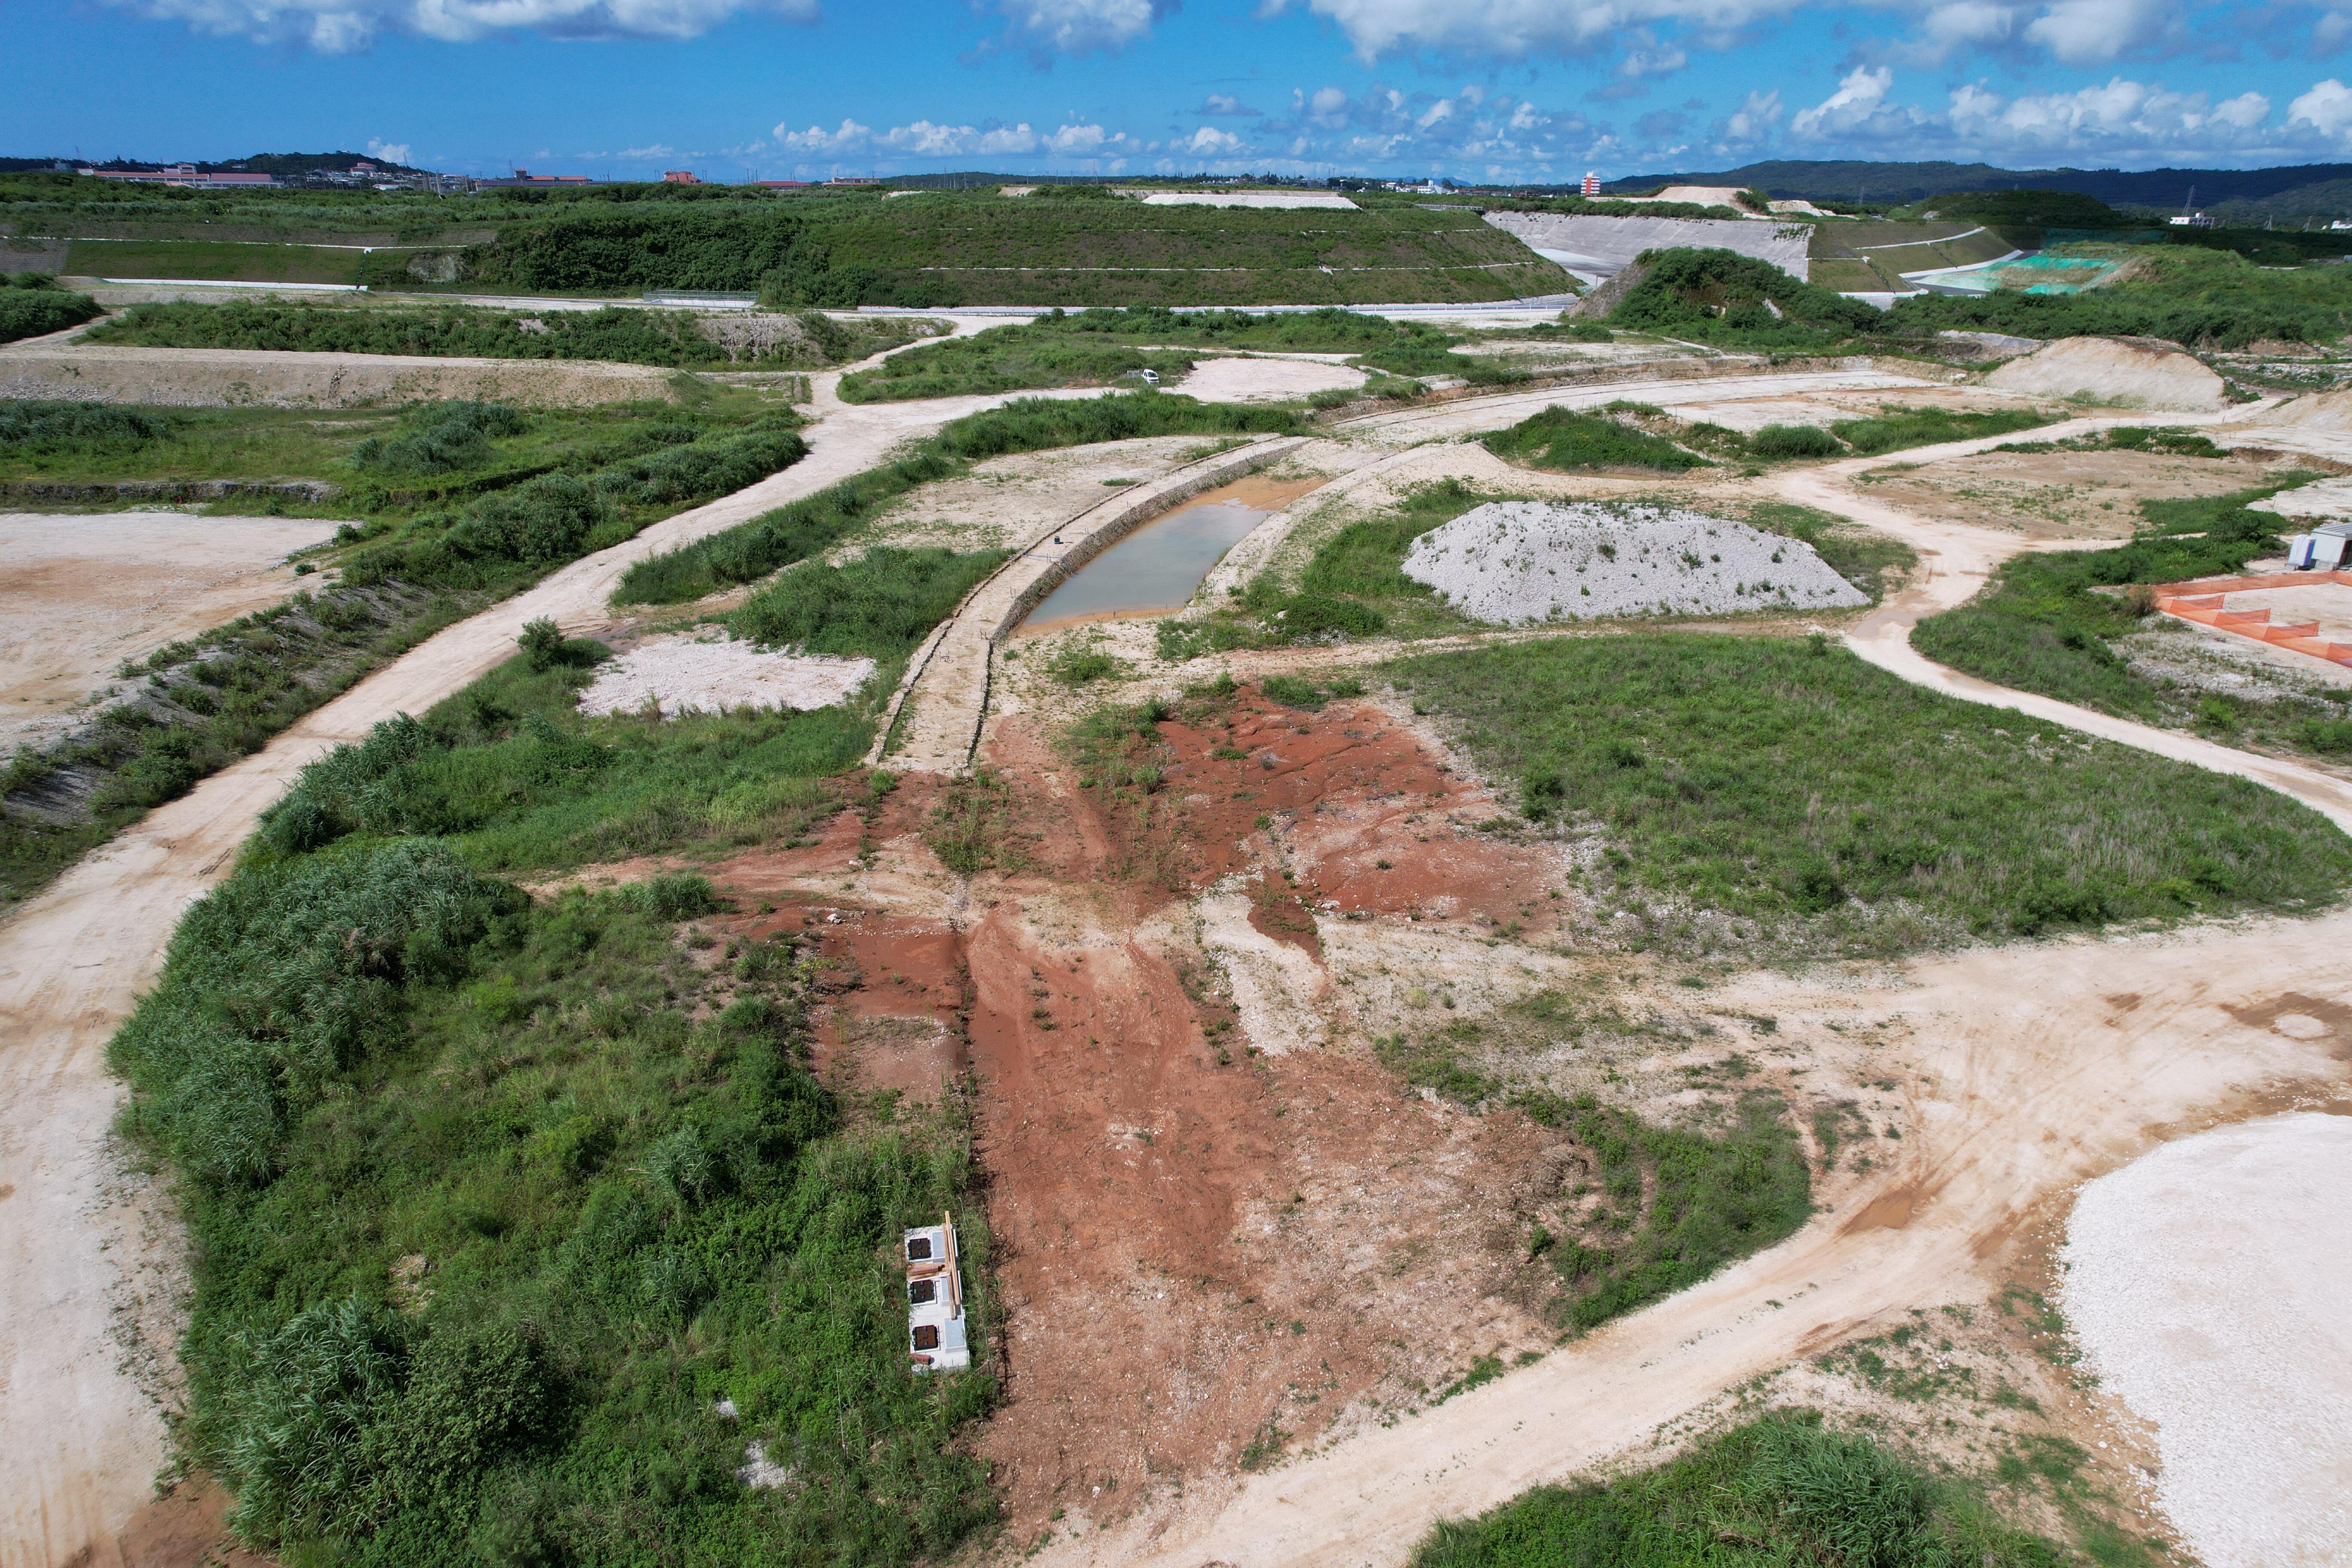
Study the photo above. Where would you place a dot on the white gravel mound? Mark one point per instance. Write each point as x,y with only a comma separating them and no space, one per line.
692,673
2131,372
1513,562
2207,1283
1604,245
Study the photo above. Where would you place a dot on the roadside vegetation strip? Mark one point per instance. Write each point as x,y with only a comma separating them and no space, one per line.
200,704
2046,623
748,552
630,336
494,1200
1783,1488
1782,793
31,305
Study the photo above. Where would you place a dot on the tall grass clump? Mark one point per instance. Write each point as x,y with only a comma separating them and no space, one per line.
1779,1489
1895,427
31,428
444,437
31,305
749,551
881,603
1562,438
1815,799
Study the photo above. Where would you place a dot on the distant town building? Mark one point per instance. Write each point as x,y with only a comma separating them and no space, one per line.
679,177
1591,187
176,175
525,178
2192,220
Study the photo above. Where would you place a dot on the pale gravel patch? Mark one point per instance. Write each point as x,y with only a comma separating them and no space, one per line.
2207,1283
701,674
1513,562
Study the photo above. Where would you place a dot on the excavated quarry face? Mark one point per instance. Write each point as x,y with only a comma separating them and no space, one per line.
2129,373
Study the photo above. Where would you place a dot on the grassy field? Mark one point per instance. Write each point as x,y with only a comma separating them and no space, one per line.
1568,441
1811,800
494,1199
1094,347
631,336
2044,625
1066,246
1779,1488
213,261
463,503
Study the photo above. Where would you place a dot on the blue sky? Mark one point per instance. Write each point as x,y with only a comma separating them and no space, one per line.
1475,90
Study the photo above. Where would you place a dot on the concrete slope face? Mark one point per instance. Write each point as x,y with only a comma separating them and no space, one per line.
1604,245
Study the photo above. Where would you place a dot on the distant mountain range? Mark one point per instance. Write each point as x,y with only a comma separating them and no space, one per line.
285,165
2292,189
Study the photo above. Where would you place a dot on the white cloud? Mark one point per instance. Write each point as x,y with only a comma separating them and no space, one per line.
345,27
1752,122
1227,105
389,152
850,137
1074,26
1211,143
637,154
2123,119
1513,28
2326,108
1858,98
2091,32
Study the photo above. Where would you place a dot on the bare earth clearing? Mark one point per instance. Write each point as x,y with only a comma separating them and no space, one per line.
1302,1256
85,592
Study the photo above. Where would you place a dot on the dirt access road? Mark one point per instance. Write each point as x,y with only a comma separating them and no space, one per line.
87,1258
2036,1068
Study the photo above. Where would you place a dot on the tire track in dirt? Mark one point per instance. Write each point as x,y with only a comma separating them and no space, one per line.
2036,1069
87,1347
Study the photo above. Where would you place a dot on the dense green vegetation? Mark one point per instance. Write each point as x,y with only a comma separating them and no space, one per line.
464,502
1895,427
629,336
1093,347
1780,1489
1719,297
822,247
31,306
1562,438
1818,800
884,602
2198,298
749,551
494,1199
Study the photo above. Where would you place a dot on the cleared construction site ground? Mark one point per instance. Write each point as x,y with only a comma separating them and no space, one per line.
1332,1327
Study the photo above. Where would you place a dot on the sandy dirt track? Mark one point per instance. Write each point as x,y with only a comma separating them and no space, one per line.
80,1431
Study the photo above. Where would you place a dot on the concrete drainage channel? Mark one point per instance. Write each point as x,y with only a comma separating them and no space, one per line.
943,697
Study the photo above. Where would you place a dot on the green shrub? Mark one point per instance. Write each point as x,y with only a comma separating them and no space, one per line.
1777,1489
1561,439
881,604
1896,426
1718,296
1794,441
33,428
629,336
32,307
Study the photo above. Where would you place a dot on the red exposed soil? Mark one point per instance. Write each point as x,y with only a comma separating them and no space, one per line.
1203,1255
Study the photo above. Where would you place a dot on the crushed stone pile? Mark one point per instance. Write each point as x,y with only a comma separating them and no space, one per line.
690,673
1514,562
2130,373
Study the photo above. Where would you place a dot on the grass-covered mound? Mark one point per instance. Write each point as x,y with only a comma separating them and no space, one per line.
494,1199
1782,1489
1722,296
1096,347
749,551
1813,797
1564,439
31,305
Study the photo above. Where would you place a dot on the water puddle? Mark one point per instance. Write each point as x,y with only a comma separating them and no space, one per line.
1155,569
